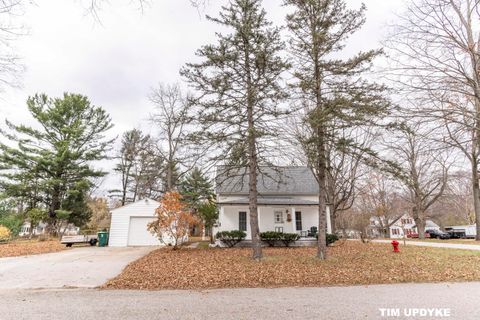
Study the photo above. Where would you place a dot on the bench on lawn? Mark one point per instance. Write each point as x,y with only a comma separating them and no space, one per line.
71,240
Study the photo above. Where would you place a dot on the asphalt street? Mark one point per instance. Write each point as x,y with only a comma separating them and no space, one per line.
400,301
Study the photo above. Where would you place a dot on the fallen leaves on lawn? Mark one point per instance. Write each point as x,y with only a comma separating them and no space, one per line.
28,247
353,263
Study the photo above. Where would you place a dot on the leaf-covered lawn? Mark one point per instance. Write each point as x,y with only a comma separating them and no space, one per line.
28,247
350,263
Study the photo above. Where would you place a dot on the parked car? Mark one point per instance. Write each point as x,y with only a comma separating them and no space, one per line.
414,235
437,234
456,234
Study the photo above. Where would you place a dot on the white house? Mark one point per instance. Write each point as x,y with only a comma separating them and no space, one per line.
128,226
404,225
69,229
287,200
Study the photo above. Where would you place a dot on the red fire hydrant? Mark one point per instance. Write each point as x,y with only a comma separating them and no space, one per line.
395,246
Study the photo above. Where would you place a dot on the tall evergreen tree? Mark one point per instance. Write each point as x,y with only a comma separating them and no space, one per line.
239,90
196,188
50,165
331,90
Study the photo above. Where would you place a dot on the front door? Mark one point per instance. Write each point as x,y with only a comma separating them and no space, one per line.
298,220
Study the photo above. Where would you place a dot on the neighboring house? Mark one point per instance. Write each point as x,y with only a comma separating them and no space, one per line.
41,228
287,200
129,225
403,226
26,228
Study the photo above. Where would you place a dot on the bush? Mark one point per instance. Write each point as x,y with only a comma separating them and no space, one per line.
5,234
289,238
331,238
271,237
231,238
13,222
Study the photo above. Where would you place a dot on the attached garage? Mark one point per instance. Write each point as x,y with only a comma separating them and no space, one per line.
129,224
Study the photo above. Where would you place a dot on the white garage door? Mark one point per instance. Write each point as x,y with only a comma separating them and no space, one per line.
138,235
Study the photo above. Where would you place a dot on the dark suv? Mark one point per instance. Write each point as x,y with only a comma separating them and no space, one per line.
437,234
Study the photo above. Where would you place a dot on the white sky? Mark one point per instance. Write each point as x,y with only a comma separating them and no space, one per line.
116,63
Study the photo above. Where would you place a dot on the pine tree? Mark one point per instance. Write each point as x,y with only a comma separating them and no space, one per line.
331,90
239,90
196,188
51,166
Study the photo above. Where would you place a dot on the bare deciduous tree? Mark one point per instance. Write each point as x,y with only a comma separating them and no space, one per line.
171,118
436,55
377,195
425,167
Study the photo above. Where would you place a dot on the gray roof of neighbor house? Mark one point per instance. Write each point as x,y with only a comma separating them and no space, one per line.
271,181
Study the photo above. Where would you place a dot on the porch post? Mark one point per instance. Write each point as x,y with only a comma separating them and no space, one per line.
293,223
329,222
259,208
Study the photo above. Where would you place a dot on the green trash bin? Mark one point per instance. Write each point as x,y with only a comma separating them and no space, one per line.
102,238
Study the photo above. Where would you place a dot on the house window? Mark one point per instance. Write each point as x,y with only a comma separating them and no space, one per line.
242,221
395,231
298,221
278,216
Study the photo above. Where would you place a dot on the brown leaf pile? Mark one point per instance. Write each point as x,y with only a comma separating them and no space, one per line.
28,247
352,263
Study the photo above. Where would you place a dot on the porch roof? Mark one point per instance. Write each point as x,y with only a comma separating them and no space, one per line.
271,201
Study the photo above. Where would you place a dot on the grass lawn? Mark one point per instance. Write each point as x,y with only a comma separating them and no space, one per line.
28,247
349,263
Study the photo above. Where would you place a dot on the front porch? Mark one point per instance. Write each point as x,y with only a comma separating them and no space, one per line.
300,219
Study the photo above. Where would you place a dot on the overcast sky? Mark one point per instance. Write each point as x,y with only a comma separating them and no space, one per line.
117,62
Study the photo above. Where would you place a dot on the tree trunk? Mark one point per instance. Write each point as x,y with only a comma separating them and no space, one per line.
420,223
252,159
169,175
322,192
253,194
386,232
418,216
476,197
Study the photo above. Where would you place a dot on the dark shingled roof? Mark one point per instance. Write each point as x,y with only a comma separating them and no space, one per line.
271,181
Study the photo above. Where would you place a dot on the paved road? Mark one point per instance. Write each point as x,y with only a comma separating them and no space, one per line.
436,244
78,267
360,302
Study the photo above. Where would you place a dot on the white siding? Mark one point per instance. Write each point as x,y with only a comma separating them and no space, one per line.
229,220
120,223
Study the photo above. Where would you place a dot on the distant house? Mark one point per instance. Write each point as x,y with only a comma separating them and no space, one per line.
287,200
41,228
403,226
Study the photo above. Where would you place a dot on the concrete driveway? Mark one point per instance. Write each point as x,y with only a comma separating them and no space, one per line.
85,267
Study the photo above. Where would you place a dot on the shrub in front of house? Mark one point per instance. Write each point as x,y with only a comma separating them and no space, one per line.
5,234
289,238
331,238
231,238
270,237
